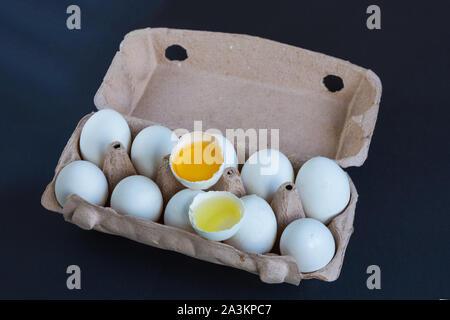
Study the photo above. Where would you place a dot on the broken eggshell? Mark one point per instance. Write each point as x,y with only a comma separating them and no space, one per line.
229,153
188,139
226,228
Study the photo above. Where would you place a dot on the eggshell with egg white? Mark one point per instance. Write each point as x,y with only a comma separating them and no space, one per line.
221,234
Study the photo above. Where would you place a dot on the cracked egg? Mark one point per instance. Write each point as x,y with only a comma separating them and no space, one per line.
197,160
216,215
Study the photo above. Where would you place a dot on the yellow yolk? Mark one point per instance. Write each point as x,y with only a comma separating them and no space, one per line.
198,161
216,214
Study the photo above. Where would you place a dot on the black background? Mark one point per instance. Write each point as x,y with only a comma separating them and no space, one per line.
49,76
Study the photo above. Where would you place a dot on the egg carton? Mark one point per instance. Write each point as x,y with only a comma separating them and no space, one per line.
230,81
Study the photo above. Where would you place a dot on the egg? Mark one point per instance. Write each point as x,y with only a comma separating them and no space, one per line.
265,171
310,242
84,179
230,156
197,161
138,196
258,230
324,188
216,215
176,213
100,130
149,147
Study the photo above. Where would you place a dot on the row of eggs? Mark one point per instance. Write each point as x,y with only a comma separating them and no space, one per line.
248,223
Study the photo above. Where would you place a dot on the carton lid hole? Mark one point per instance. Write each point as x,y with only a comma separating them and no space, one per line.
176,52
333,83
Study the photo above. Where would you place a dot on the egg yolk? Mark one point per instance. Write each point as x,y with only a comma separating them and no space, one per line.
216,214
198,161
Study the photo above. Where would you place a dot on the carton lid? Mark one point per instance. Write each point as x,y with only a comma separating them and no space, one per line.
231,81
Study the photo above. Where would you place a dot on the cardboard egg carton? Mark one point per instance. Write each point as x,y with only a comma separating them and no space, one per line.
230,81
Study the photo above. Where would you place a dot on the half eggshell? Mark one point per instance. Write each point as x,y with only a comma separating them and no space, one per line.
188,139
223,234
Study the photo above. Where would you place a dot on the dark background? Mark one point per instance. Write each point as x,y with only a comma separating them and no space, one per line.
49,76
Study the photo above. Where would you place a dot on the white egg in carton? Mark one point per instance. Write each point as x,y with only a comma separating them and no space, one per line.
261,84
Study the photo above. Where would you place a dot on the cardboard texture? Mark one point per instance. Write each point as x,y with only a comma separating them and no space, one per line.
288,207
117,164
230,81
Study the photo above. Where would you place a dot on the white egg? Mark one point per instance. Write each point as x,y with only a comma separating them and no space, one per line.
84,179
176,213
310,242
149,147
230,156
100,130
265,171
138,196
187,140
324,188
216,215
259,228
